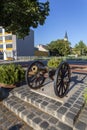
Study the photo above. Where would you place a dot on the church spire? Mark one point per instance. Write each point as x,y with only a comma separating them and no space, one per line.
66,37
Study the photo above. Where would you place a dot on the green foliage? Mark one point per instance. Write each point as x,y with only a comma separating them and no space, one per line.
85,95
11,74
59,47
80,48
54,62
18,16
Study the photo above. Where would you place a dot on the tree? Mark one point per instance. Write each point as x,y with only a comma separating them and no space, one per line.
80,48
59,47
18,16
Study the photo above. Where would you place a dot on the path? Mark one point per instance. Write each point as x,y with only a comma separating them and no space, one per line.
45,113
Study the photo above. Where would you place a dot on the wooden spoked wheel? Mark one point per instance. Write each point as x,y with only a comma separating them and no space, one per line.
34,76
62,79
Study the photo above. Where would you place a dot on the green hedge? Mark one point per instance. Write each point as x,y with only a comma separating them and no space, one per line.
11,74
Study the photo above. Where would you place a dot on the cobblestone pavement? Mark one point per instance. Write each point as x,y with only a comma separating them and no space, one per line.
70,115
66,112
9,121
33,116
81,123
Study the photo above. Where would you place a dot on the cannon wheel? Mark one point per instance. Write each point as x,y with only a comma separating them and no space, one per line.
34,77
62,79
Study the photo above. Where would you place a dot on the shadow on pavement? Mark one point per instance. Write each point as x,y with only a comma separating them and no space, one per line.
76,80
4,92
16,127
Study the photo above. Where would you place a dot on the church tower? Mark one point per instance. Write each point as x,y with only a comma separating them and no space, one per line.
66,37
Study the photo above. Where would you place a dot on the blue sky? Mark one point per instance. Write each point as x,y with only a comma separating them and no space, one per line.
64,15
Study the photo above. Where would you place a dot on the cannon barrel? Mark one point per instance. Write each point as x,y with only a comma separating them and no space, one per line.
44,68
39,68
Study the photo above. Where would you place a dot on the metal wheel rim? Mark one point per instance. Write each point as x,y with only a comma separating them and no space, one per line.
62,80
35,81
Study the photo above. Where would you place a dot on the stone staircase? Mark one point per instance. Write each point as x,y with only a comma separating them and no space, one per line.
43,113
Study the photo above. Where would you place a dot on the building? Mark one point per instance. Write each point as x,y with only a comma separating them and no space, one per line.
12,47
42,48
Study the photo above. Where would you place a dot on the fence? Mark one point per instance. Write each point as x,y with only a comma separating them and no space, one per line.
69,57
30,58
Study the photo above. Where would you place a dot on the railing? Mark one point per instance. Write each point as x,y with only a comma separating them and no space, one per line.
27,58
71,57
30,58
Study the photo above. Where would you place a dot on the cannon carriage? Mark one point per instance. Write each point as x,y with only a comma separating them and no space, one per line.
37,73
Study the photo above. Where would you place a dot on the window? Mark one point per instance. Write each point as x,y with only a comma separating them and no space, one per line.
1,46
0,30
9,37
9,46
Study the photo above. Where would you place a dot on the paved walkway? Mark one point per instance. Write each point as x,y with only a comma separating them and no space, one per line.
9,121
82,120
44,113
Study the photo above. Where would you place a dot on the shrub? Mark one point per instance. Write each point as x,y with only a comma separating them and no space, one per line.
85,95
54,62
41,53
11,74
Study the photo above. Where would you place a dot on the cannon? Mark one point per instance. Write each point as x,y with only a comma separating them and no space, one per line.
37,72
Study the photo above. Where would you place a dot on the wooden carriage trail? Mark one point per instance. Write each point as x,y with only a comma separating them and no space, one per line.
42,112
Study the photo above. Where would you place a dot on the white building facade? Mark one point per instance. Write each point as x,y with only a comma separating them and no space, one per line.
11,46
42,48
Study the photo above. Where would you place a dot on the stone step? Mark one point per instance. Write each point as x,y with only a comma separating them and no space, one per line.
67,112
34,117
9,121
81,123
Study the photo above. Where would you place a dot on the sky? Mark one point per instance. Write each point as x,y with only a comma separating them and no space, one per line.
65,16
